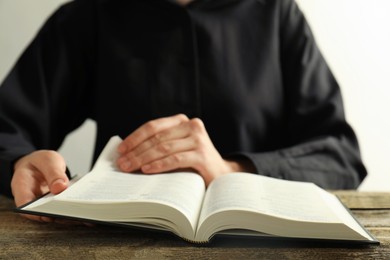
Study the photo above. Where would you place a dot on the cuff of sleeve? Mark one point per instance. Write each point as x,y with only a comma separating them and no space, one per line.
268,164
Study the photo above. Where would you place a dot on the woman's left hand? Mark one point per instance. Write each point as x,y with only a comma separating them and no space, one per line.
174,143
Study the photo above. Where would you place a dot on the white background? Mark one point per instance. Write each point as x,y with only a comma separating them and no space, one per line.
354,36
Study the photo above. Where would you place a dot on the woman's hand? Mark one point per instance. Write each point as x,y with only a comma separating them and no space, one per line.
36,174
174,143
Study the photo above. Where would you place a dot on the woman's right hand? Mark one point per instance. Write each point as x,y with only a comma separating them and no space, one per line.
36,174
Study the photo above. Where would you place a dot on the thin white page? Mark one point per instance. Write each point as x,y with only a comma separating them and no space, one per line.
106,184
280,198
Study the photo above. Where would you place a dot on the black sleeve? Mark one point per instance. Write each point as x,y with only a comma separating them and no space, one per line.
321,146
44,97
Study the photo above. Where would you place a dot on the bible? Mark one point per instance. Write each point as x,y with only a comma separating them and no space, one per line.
235,204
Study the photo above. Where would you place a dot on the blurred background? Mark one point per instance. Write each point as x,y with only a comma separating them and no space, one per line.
353,35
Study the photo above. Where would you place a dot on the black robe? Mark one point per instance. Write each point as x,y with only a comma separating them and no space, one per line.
250,69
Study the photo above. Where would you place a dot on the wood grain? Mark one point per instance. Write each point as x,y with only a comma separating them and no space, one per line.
364,200
24,239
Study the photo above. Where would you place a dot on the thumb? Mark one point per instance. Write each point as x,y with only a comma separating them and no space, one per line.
53,168
58,185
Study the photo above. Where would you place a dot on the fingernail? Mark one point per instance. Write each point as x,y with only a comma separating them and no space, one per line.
126,165
58,186
146,167
121,160
58,181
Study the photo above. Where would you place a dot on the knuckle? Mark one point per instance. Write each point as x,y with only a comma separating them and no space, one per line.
164,148
158,138
48,154
182,117
197,124
136,163
151,127
129,144
177,158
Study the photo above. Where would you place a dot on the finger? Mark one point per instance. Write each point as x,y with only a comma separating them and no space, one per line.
132,160
174,133
26,186
157,152
179,161
37,218
29,187
172,162
150,129
25,194
30,180
69,222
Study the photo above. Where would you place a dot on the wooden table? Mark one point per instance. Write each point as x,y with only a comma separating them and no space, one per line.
24,239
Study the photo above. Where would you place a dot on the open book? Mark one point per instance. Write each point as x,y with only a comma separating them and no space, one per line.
235,204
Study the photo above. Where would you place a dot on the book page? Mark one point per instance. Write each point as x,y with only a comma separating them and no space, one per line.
285,199
184,191
106,184
344,215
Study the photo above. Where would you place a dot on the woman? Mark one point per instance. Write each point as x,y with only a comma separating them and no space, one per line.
216,86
